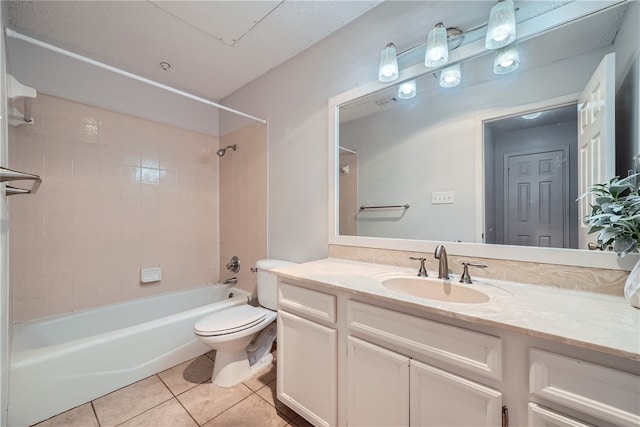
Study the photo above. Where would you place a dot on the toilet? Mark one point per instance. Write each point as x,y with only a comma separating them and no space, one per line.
243,335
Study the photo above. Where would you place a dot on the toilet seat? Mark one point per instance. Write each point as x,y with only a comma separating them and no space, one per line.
230,321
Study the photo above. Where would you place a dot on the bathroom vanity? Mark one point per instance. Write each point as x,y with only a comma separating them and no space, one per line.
354,350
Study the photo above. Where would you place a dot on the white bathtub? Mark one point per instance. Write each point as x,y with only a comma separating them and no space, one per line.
64,361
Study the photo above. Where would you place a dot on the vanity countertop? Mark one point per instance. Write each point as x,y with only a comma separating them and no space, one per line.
595,321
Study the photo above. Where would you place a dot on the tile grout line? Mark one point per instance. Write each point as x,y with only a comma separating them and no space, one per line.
274,406
235,404
95,414
153,407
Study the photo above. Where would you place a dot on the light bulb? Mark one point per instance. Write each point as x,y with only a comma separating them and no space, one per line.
407,90
501,29
450,76
507,59
437,49
388,70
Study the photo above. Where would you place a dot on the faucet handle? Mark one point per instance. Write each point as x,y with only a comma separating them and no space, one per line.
466,278
422,272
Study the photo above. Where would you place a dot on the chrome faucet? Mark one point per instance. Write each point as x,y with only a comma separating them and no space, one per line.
422,272
231,281
466,278
443,265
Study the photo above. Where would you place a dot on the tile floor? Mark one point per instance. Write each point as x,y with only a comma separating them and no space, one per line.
183,396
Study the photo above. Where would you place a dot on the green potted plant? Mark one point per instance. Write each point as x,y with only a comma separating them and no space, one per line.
615,216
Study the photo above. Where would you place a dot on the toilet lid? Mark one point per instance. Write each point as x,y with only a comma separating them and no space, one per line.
231,320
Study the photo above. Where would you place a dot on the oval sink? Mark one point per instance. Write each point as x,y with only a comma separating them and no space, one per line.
435,289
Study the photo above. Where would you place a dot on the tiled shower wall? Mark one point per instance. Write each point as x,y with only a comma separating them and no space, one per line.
118,194
243,202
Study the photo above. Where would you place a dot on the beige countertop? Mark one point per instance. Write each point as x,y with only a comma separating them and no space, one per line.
599,322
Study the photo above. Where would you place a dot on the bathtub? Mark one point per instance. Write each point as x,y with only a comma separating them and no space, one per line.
64,361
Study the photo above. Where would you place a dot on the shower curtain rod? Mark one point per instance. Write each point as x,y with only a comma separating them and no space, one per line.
14,34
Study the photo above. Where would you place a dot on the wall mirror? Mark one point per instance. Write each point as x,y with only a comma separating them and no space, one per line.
411,173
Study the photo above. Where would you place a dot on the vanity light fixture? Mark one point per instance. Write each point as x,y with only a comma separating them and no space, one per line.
451,76
388,70
437,49
407,90
501,29
507,59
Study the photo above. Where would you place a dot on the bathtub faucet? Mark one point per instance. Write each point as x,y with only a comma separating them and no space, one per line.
231,281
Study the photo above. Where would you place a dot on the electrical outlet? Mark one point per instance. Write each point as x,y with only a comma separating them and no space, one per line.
442,197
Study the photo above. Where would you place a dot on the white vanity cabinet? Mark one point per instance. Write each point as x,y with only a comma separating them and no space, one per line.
386,386
350,357
307,353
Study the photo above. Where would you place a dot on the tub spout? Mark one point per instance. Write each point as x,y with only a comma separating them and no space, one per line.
231,281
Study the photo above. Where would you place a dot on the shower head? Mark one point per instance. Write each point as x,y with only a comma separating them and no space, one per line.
221,151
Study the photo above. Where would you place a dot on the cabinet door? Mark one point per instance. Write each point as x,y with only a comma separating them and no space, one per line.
307,368
439,398
377,386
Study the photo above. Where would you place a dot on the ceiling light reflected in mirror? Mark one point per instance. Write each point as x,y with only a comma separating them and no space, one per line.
407,90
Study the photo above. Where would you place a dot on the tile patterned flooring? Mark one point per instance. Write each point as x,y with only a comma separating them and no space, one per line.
183,396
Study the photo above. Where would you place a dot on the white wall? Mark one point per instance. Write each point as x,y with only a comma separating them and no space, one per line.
404,162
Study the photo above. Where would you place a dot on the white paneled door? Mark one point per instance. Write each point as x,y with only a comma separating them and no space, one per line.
596,138
537,199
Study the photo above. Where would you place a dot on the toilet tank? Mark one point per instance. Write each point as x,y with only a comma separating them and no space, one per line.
268,281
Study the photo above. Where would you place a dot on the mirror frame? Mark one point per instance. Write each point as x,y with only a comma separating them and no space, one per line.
571,257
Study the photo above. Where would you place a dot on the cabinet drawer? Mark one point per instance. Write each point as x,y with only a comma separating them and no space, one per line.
595,390
313,305
459,347
540,416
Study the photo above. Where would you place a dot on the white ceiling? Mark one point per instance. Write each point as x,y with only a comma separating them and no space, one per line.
214,47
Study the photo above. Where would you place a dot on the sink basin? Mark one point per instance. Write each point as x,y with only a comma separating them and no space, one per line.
435,289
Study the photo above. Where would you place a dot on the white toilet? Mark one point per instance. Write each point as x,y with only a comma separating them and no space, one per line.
242,335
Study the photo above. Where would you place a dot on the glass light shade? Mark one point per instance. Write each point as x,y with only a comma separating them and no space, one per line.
507,59
437,49
451,76
388,70
407,90
501,29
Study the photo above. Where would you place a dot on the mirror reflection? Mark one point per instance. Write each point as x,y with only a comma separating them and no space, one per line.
498,158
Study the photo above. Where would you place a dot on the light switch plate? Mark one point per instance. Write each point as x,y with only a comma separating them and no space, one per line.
442,197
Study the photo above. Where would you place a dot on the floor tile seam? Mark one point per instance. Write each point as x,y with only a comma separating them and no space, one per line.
235,404
145,411
95,414
277,410
182,392
187,411
123,387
